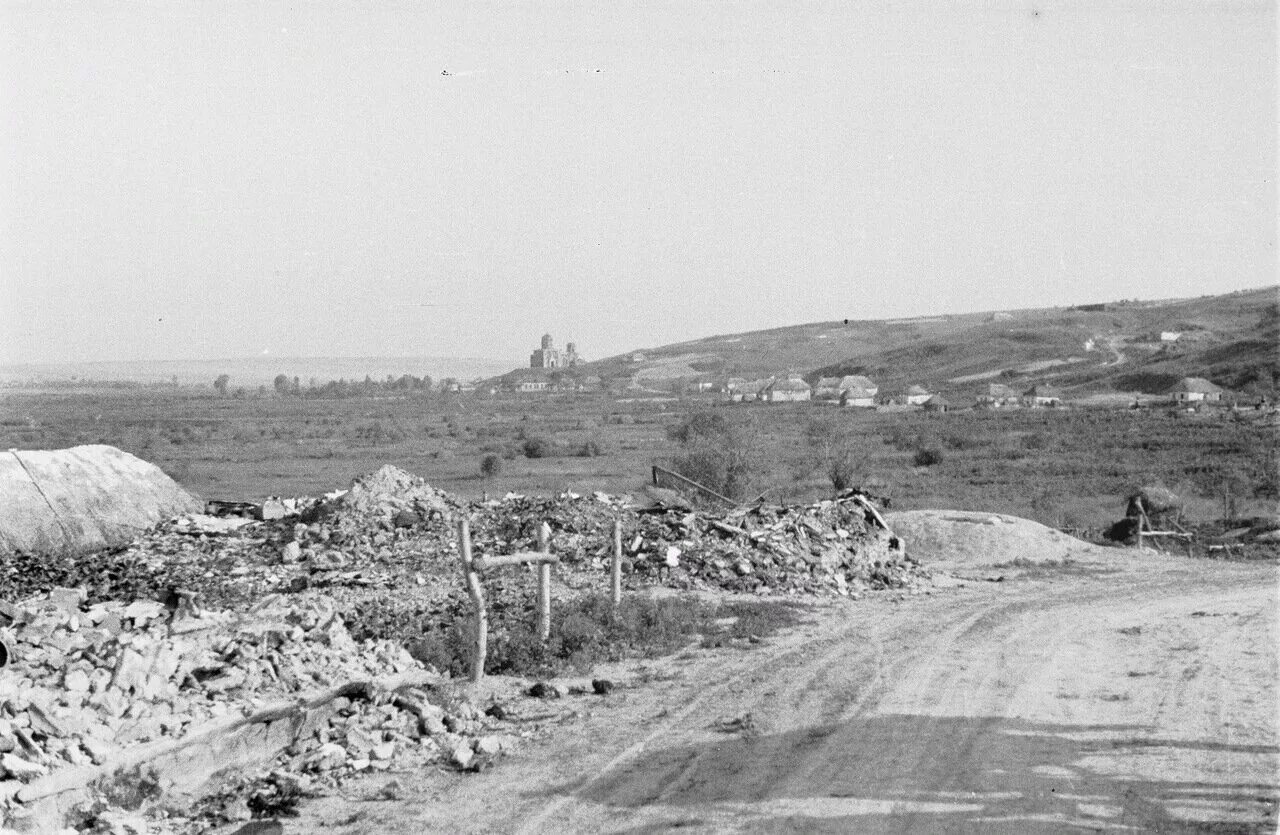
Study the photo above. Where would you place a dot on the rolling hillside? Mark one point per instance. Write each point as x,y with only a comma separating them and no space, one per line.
1232,339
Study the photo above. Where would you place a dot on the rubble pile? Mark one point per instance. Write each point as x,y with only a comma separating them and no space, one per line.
86,683
393,531
830,547
222,617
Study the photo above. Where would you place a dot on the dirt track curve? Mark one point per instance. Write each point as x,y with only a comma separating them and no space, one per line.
1139,698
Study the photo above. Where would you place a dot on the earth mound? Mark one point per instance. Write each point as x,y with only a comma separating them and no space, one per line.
81,499
960,538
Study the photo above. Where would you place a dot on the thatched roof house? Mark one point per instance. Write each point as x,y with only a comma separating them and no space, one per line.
857,381
1195,389
997,396
857,397
916,395
1041,395
790,390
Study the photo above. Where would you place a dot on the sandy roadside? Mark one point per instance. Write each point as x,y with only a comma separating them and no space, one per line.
1136,699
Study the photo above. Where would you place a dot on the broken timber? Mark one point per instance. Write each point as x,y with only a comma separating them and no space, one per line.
471,568
234,742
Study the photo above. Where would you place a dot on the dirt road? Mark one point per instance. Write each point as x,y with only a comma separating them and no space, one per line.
1139,699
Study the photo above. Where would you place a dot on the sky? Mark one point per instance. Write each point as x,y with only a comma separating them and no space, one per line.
233,179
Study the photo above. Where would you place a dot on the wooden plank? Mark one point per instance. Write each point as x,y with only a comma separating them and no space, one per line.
615,570
875,514
477,597
544,582
484,563
690,482
68,779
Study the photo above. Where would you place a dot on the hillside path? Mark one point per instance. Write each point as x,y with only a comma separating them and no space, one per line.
1139,699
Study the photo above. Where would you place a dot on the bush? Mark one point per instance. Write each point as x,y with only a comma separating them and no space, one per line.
589,449
536,447
719,454
490,465
928,456
842,473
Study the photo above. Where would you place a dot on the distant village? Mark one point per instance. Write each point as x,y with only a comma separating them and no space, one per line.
554,370
857,391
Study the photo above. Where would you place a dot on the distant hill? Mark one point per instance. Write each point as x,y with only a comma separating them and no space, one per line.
1232,339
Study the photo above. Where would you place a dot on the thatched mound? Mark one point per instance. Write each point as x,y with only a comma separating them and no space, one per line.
82,499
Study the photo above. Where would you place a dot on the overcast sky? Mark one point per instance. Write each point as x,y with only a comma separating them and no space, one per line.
206,180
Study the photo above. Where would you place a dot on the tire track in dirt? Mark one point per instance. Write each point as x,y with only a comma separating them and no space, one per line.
954,711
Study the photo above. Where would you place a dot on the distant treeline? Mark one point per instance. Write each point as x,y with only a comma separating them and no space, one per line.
74,383
404,384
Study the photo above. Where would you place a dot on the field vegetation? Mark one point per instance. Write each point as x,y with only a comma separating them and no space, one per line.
1067,468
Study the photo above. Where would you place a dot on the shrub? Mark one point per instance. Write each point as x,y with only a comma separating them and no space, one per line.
1036,440
928,456
589,449
719,454
699,425
842,473
490,465
536,447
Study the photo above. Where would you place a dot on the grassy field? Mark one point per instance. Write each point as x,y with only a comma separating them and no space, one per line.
1067,468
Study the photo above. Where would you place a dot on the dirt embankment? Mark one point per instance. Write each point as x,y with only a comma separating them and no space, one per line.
1139,696
957,540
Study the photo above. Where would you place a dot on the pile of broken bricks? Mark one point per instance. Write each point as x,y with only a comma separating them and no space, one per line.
89,692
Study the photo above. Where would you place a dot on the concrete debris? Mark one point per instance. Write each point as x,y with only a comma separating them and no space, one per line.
90,685
210,619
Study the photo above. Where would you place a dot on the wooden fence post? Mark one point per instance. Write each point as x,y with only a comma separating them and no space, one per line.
544,583
477,597
615,570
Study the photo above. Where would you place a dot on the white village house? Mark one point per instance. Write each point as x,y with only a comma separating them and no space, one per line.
1041,396
997,396
916,396
1195,390
791,390
858,397
836,387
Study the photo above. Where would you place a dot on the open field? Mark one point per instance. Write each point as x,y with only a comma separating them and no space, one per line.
1067,467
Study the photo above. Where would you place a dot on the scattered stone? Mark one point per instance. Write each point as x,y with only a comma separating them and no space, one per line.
736,724
548,690
19,768
462,755
328,757
291,553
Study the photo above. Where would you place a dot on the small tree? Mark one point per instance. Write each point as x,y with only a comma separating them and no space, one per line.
220,384
832,444
490,465
718,453
281,383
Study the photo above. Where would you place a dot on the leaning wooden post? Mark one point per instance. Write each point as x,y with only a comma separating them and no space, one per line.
615,570
544,583
477,597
